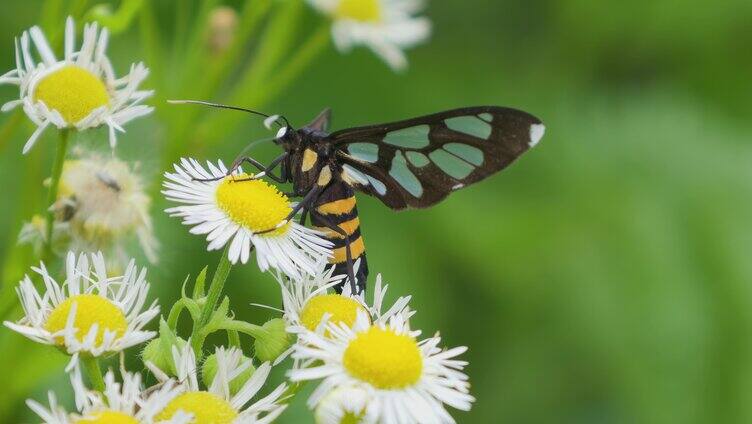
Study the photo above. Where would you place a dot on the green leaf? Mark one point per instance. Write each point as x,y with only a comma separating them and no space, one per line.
118,21
198,288
193,308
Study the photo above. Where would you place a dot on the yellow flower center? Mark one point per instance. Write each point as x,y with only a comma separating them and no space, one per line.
351,418
108,417
341,309
359,10
384,359
90,309
72,91
254,204
207,408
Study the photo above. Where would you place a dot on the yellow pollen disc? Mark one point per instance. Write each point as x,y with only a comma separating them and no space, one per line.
207,408
359,10
254,204
109,417
90,309
351,418
72,91
384,359
341,309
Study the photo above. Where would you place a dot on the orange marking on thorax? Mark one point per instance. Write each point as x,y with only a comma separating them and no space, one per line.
338,207
340,254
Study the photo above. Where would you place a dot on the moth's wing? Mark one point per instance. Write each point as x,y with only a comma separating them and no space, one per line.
321,122
418,162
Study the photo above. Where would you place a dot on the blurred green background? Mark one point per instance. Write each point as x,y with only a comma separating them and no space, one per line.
603,278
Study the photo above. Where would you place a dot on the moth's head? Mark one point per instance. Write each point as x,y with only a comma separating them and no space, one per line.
287,138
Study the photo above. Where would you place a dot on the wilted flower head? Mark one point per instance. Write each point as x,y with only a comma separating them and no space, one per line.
386,26
80,91
89,313
103,202
246,213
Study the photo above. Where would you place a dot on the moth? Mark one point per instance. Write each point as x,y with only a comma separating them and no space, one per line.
414,163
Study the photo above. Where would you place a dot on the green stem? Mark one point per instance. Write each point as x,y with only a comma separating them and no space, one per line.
91,364
212,297
57,171
233,338
252,330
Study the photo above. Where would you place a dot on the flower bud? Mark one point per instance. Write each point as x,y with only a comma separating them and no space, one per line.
157,353
209,371
223,24
277,340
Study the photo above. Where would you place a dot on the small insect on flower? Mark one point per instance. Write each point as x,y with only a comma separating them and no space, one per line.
386,26
103,201
91,313
405,380
80,91
246,213
126,403
222,402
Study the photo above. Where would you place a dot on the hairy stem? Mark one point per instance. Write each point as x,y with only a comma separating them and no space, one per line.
57,171
91,365
212,297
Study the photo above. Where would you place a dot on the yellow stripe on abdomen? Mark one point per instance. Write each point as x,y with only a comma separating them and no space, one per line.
350,227
337,207
339,254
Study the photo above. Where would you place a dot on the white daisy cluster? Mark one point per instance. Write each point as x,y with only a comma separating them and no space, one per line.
243,212
231,382
90,313
372,366
80,91
387,27
126,402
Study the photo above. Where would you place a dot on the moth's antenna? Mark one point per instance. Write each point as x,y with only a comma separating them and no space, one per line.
241,109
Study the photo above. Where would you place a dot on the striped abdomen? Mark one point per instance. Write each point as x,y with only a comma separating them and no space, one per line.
337,206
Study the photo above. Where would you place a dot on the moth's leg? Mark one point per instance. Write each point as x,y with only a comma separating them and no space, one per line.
348,253
266,170
304,215
305,203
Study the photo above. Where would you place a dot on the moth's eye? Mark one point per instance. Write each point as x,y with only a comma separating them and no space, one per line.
281,133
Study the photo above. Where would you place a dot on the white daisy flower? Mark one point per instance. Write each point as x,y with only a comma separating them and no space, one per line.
386,26
244,213
80,91
104,201
126,403
346,404
90,313
220,404
405,380
311,302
